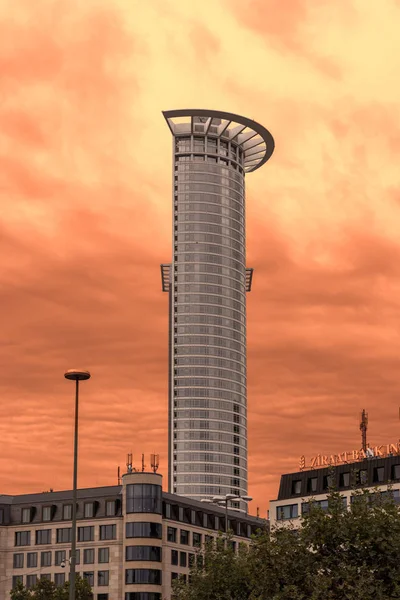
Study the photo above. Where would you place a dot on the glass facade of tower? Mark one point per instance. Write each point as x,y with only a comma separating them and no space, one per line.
207,283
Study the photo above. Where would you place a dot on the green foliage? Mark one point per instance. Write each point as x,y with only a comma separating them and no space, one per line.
19,592
338,554
47,590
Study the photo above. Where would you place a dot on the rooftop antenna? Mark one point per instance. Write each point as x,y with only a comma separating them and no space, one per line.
119,475
363,428
143,465
155,461
129,463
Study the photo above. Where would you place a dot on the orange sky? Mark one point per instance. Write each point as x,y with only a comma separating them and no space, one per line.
85,188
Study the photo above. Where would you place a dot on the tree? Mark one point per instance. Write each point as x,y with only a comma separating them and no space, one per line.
19,592
47,590
337,554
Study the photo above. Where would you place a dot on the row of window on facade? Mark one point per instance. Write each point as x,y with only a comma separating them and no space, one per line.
60,557
214,160
64,535
359,477
291,511
238,528
132,576
103,578
90,510
188,164
132,553
209,145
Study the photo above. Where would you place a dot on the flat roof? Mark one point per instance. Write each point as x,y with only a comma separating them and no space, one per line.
255,140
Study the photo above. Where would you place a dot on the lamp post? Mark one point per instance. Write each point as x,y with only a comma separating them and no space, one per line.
77,376
223,500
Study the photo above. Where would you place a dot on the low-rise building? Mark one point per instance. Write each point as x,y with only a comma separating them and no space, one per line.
133,540
297,489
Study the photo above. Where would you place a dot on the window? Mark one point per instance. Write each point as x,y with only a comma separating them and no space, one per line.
89,510
31,580
45,576
1,516
89,576
60,557
192,558
110,508
103,577
328,482
184,537
67,512
143,497
31,560
171,534
18,561
22,538
16,579
85,534
149,576
45,559
88,556
174,557
344,480
183,559
108,532
296,486
46,513
144,530
312,484
290,511
43,536
396,472
196,539
64,535
152,553
323,504
26,515
59,579
103,596
379,473
104,555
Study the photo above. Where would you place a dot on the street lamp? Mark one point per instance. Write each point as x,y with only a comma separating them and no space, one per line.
223,500
77,376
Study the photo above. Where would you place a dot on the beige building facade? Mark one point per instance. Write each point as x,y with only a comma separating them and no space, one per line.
297,489
133,539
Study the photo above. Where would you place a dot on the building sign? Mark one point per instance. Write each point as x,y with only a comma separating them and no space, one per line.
342,458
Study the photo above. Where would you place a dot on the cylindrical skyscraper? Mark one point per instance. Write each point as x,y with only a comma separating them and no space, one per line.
207,283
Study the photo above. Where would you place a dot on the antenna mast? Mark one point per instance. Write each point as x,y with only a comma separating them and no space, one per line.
129,463
155,461
363,428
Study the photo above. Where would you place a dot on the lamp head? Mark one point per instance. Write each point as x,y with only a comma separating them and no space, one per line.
76,375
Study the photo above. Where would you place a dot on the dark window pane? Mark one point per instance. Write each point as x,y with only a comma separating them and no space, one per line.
104,555
296,487
379,473
138,576
18,561
171,534
144,530
344,480
152,553
184,537
142,498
